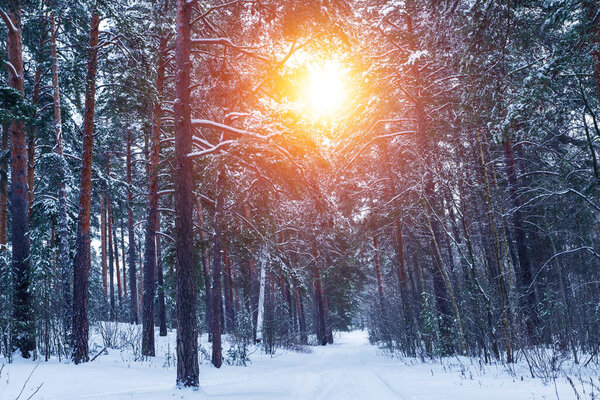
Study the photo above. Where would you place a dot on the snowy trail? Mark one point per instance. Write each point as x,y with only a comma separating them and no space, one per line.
349,369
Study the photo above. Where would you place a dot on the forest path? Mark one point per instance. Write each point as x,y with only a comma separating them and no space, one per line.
350,369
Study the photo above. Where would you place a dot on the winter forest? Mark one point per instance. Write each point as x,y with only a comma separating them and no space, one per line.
312,199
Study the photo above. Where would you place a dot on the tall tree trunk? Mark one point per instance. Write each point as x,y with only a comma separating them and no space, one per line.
254,280
3,188
187,331
228,293
63,226
442,284
290,303
24,329
319,302
116,255
83,263
524,273
301,315
111,255
141,278
133,300
123,253
32,132
592,11
378,275
5,269
398,245
162,312
217,306
37,80
152,210
261,303
103,238
205,271
499,273
328,325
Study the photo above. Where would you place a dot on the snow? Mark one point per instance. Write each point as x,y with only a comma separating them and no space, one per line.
416,56
349,369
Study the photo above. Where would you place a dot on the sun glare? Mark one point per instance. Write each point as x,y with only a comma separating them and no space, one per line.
323,91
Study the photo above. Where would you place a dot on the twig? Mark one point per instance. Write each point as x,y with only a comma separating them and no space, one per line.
26,381
97,355
36,390
573,386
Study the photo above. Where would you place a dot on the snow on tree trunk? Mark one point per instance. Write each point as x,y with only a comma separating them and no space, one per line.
261,302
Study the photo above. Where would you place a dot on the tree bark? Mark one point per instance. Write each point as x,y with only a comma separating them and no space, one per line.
82,263
592,11
116,255
3,188
442,284
205,271
31,136
63,226
228,294
133,300
141,278
162,312
524,272
150,262
103,250
319,302
499,274
187,330
328,326
290,303
123,254
217,306
378,275
301,315
111,256
24,329
254,280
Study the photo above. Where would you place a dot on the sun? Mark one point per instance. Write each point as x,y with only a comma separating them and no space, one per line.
323,89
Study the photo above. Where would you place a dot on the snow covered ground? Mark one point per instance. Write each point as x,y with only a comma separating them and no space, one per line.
349,369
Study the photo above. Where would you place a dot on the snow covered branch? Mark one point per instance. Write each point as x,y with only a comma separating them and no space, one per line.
9,24
12,68
227,42
204,123
210,150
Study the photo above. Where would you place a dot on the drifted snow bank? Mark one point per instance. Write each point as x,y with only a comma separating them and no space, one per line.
349,369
